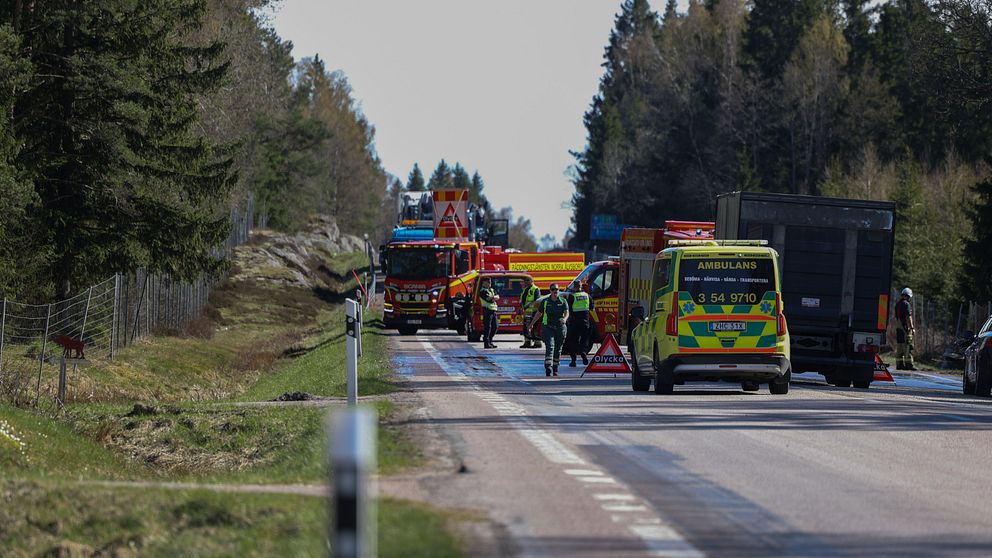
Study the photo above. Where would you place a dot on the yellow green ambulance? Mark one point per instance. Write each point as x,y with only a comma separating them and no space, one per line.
717,316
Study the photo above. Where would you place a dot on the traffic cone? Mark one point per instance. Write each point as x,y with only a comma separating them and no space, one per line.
882,371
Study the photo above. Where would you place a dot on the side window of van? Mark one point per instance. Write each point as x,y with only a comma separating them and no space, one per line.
660,281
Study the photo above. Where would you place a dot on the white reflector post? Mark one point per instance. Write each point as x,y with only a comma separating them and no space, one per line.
351,310
352,457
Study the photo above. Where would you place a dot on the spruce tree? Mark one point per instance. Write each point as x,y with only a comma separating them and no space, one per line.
122,178
441,179
459,178
775,28
415,182
978,250
475,194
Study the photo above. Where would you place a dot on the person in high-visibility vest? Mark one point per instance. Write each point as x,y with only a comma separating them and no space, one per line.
528,297
488,299
904,331
579,324
553,313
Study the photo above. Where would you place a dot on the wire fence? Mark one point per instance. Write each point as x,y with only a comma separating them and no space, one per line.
98,322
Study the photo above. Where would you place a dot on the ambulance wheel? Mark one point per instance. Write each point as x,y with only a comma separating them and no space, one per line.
840,383
407,330
778,388
749,386
862,384
659,387
638,382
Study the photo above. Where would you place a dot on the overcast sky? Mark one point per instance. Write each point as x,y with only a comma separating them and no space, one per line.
500,86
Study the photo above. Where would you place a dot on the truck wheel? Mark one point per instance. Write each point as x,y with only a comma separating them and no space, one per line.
983,382
862,384
407,330
473,336
749,386
638,382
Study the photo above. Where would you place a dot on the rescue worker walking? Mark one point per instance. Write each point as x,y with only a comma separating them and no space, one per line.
579,324
553,313
528,297
904,331
488,300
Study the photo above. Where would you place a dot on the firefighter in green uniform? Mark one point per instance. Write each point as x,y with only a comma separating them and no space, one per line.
553,313
527,299
489,301
904,331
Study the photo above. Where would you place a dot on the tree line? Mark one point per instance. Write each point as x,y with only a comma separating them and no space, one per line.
849,98
129,129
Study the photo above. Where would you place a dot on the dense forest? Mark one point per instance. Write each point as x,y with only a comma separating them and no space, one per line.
129,130
849,98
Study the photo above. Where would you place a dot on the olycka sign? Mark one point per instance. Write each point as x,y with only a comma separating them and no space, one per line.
609,359
451,214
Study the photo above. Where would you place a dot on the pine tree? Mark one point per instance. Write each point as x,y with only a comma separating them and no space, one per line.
978,250
415,182
122,178
459,178
775,28
441,178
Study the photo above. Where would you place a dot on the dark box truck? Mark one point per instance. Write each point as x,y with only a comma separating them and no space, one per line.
836,264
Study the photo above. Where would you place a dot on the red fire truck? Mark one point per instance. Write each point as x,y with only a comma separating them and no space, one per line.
620,285
424,278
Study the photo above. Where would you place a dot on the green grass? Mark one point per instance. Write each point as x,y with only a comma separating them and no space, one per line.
320,370
53,450
157,522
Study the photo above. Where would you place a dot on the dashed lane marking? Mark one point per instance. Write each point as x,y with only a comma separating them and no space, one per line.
662,540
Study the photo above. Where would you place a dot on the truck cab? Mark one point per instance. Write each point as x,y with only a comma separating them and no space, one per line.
716,314
424,279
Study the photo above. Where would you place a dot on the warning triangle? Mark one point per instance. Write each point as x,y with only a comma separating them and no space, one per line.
450,219
882,371
609,359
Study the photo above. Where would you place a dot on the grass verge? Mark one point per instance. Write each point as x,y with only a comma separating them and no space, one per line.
73,520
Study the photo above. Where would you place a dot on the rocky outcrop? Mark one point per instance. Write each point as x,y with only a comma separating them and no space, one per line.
303,259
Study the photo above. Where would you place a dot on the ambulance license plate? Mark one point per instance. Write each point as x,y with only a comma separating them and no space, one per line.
728,326
414,322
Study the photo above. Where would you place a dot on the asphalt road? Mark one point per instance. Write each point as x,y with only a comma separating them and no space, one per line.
587,467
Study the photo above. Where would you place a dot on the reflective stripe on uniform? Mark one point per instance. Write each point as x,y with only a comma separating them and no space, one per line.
580,302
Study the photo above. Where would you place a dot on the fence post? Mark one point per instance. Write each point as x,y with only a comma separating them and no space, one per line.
3,327
41,359
352,457
351,345
137,310
113,320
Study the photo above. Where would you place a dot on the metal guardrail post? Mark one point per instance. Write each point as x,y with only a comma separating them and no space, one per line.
351,348
353,460
3,327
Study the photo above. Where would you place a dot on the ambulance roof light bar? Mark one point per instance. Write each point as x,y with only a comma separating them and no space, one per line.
675,243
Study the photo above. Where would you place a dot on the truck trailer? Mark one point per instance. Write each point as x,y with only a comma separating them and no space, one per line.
835,258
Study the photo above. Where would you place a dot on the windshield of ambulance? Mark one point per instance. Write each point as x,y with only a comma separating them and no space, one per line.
741,280
417,264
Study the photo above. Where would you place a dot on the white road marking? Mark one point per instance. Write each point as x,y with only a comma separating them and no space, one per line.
615,497
598,480
662,540
582,472
624,508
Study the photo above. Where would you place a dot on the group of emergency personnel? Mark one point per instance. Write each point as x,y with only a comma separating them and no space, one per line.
564,318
